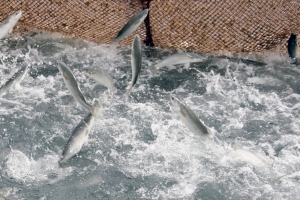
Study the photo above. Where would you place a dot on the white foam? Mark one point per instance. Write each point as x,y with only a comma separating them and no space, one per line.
29,171
142,138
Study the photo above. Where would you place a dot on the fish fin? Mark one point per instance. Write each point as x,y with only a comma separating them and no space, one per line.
10,31
153,69
96,108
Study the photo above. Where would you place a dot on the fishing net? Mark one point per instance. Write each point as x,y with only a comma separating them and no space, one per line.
196,25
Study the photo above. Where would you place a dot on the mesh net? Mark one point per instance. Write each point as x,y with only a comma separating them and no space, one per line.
198,25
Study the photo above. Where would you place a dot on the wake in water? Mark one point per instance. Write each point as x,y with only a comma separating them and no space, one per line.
139,148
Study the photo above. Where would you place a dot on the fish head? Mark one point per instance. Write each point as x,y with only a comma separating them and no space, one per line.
16,16
145,12
172,97
62,66
141,16
175,103
62,69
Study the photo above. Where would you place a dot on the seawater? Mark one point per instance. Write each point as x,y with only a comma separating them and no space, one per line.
138,148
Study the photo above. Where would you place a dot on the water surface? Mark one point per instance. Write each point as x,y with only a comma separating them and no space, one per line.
138,148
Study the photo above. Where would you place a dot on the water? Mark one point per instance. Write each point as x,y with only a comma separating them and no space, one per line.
138,148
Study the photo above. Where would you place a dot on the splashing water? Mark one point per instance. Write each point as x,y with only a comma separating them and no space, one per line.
138,148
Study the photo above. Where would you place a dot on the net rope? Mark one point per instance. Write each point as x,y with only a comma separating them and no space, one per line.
194,25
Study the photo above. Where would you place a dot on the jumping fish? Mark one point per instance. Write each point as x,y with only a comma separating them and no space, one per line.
14,80
189,118
73,86
252,158
79,135
100,77
178,58
8,24
293,46
136,61
131,26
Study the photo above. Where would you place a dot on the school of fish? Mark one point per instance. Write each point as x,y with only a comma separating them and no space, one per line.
79,135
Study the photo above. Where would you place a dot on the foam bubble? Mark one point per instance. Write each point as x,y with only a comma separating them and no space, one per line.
26,170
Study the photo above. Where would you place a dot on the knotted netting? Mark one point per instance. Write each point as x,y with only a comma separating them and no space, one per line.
195,25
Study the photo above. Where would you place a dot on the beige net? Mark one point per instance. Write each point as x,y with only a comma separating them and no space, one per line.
198,25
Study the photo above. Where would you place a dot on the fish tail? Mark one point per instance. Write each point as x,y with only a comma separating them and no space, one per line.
293,61
129,90
62,160
96,108
115,40
153,69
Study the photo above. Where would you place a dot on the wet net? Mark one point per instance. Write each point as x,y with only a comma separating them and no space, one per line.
195,25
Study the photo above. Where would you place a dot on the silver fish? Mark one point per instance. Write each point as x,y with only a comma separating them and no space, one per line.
293,46
136,61
100,77
14,80
189,118
7,25
178,58
131,26
79,135
73,86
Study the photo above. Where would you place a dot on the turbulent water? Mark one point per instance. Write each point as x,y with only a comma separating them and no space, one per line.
138,148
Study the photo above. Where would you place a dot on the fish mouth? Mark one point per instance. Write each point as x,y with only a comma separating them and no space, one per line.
146,11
